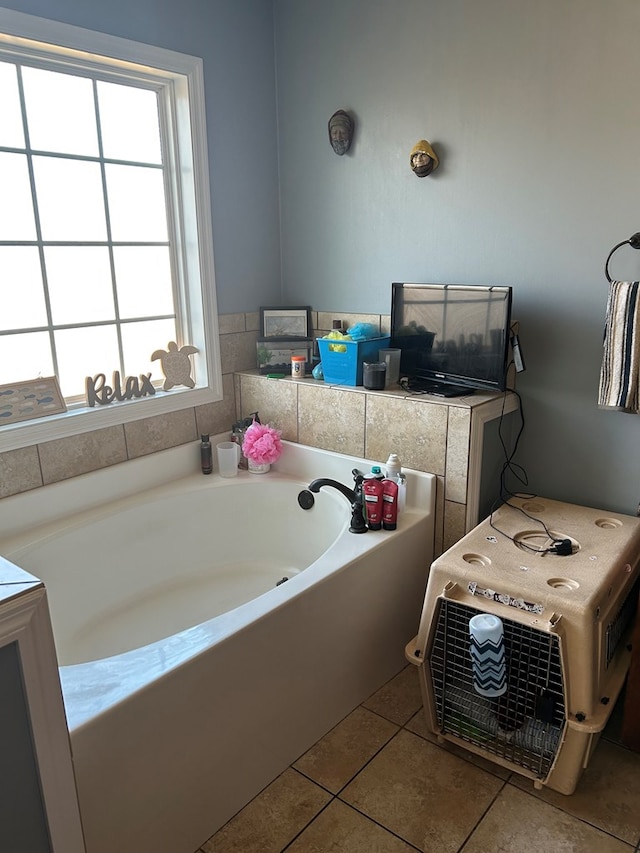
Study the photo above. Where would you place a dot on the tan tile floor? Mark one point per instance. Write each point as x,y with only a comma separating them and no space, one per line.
380,783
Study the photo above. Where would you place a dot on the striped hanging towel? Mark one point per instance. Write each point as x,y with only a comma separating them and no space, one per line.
620,372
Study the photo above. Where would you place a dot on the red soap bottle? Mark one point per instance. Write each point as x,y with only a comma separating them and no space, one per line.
372,490
389,504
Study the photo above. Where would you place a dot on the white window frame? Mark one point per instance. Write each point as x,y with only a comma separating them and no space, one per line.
26,34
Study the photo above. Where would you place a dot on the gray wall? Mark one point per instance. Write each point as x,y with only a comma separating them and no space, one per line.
235,40
531,107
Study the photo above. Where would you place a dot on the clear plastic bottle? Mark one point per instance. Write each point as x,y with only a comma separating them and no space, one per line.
393,467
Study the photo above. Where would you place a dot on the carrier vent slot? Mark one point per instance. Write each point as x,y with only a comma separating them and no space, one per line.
617,627
523,726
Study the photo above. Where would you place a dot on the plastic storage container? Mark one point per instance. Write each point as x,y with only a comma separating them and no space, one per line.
567,621
345,368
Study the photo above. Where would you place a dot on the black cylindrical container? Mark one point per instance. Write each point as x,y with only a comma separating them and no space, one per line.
206,456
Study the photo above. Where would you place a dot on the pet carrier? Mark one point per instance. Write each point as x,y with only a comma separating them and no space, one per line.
533,688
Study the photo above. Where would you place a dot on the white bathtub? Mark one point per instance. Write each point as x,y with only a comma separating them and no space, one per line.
181,707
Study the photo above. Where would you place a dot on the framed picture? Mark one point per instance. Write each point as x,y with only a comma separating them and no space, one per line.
286,322
33,398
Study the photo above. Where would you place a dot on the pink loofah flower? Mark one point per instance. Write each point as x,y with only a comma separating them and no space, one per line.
262,443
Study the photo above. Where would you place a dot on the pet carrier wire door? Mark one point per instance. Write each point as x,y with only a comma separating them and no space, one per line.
566,622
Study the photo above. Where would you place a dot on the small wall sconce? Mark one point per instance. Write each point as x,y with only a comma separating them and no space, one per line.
341,131
423,159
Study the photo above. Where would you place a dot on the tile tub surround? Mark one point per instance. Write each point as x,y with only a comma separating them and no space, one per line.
429,434
443,437
48,462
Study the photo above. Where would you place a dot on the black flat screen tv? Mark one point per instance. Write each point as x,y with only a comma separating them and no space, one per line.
454,338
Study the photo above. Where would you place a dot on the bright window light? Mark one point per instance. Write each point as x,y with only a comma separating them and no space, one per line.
105,233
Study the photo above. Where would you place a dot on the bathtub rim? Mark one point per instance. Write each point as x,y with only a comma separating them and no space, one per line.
51,502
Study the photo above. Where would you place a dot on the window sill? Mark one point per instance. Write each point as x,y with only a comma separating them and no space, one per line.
77,421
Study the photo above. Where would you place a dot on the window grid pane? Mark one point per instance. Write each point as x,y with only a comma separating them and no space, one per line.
79,203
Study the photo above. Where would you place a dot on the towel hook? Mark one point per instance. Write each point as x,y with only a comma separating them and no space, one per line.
633,241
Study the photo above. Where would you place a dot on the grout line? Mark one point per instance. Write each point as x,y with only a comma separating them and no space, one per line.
42,483
482,817
309,822
566,811
357,773
403,727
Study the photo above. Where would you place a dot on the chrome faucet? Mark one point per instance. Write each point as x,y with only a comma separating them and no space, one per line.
354,496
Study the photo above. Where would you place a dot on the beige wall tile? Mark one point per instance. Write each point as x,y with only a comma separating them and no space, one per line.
457,464
238,351
275,400
160,432
218,417
19,471
438,544
415,430
454,523
79,454
230,323
325,319
252,322
237,382
331,419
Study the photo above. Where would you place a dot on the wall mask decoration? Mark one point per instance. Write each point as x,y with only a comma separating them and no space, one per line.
341,126
423,159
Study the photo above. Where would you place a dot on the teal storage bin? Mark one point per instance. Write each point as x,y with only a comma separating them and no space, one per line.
345,368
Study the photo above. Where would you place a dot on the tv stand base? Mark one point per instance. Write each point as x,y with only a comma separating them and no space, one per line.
438,389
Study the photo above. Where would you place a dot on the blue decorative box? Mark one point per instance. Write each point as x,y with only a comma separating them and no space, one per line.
345,368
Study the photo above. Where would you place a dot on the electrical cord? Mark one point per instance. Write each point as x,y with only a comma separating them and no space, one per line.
561,547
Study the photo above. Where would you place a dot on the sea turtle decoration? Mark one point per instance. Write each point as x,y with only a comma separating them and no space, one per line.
175,365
